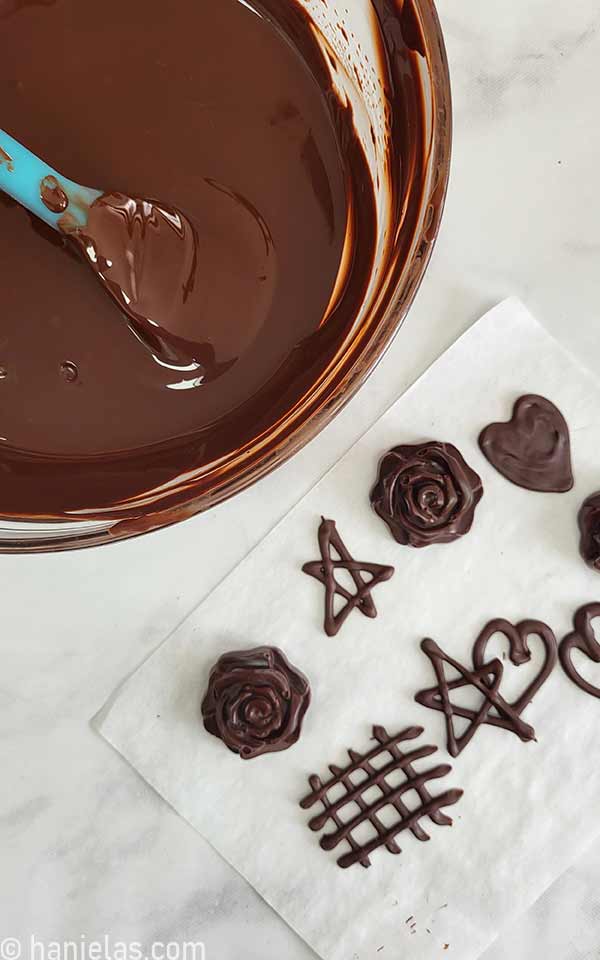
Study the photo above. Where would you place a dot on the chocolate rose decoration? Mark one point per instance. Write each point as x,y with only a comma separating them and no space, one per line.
255,702
589,528
426,493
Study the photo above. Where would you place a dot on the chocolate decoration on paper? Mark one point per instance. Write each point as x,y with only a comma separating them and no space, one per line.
390,798
426,493
324,569
582,638
589,529
272,174
532,449
486,679
519,653
53,196
255,701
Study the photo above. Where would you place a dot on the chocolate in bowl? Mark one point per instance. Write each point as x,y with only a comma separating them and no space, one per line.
350,149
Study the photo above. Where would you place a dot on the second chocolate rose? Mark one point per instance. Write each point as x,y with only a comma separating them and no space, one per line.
426,493
255,701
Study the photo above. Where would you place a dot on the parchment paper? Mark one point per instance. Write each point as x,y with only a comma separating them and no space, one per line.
528,810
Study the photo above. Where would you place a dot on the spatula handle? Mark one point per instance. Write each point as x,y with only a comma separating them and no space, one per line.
22,176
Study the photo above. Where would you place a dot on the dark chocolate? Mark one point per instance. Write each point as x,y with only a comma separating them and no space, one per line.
53,196
426,493
589,529
383,761
519,653
146,255
226,111
255,701
582,638
10,6
324,569
533,448
487,672
486,679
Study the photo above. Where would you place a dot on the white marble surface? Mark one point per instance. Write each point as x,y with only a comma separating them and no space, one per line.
87,848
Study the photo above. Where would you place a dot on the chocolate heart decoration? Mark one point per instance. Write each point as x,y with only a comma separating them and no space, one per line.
519,653
532,449
582,638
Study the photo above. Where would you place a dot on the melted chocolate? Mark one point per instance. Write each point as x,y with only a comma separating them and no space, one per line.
533,448
255,702
227,113
9,6
53,196
149,259
589,529
582,638
385,760
426,493
324,569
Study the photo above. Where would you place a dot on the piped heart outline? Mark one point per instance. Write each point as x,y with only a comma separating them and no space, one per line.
533,448
519,653
582,638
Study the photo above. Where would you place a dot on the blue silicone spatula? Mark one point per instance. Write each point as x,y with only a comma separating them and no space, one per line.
23,176
143,252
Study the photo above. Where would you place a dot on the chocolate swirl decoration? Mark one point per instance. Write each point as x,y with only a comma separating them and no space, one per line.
426,493
589,529
583,639
255,701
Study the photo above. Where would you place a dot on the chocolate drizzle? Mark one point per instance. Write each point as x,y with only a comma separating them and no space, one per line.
341,812
519,653
426,493
533,448
487,677
582,638
324,569
255,701
589,529
486,680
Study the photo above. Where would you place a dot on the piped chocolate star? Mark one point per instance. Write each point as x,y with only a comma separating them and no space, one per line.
486,679
324,569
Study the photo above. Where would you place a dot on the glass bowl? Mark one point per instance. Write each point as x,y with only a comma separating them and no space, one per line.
409,224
